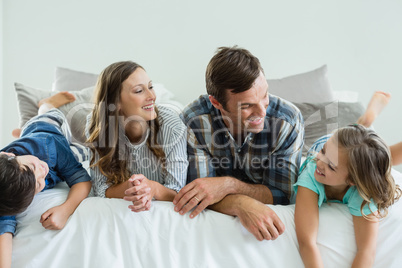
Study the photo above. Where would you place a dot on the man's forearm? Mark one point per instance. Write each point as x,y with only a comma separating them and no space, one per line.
229,205
259,192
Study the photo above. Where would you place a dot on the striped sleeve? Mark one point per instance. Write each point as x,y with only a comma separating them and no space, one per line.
174,144
99,184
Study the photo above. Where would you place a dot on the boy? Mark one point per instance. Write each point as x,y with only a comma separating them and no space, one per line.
35,162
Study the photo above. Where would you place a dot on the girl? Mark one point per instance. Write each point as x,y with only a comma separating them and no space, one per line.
353,167
138,150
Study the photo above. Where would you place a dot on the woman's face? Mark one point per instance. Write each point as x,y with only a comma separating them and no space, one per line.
137,97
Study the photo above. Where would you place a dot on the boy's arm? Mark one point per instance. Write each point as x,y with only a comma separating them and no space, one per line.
306,220
55,218
366,236
6,246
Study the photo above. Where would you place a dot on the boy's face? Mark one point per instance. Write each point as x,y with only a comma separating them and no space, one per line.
39,168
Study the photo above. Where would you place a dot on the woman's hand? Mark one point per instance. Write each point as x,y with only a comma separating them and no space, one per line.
140,191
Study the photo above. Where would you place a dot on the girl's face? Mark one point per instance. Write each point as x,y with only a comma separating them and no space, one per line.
332,167
137,97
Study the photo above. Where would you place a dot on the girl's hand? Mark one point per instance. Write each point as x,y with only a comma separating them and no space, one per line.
55,218
141,191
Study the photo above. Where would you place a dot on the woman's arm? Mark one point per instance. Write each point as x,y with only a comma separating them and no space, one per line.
306,220
118,190
366,237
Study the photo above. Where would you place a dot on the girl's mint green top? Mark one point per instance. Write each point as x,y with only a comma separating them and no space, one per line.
352,198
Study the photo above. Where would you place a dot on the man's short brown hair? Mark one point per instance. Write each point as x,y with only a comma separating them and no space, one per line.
231,68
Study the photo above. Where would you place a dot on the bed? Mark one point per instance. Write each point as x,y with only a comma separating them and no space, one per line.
105,233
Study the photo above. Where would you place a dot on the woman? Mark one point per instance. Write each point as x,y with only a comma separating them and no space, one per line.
138,150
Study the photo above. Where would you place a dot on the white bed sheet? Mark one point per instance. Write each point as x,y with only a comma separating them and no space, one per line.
105,233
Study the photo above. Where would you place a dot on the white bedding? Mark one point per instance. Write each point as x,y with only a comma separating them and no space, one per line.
105,233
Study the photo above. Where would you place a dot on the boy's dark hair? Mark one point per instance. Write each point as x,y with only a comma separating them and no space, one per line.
231,68
17,186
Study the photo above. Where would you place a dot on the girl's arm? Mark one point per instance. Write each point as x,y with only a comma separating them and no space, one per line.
366,237
396,153
55,218
306,220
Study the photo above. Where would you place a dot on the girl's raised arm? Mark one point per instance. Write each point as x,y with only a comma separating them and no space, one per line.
366,236
306,220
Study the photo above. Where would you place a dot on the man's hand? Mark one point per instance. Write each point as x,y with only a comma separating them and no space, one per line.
55,218
140,192
202,192
259,219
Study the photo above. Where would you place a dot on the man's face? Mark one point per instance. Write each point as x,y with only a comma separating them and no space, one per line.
246,111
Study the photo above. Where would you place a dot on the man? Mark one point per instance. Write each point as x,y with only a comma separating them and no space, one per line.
244,146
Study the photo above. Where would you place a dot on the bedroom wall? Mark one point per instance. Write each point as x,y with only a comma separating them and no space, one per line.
1,70
360,41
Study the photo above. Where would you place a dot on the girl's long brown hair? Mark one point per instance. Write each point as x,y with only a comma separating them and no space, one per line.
369,167
105,125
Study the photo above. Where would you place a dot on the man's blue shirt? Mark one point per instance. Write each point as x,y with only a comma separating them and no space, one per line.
271,157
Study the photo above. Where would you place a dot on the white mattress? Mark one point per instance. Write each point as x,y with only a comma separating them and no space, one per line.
105,233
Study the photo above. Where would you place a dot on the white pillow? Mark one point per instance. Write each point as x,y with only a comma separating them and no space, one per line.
346,96
71,80
312,87
75,112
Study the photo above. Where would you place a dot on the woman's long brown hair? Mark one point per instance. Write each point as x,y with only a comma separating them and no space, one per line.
105,125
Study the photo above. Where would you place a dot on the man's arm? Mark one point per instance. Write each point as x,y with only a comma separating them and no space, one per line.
208,191
6,247
55,218
233,197
204,187
256,217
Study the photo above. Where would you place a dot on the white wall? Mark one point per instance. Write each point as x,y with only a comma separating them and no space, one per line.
1,70
360,41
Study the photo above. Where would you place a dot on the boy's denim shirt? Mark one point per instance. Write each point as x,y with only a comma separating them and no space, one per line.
46,142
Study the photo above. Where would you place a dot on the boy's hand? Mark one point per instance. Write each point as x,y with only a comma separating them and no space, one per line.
55,218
